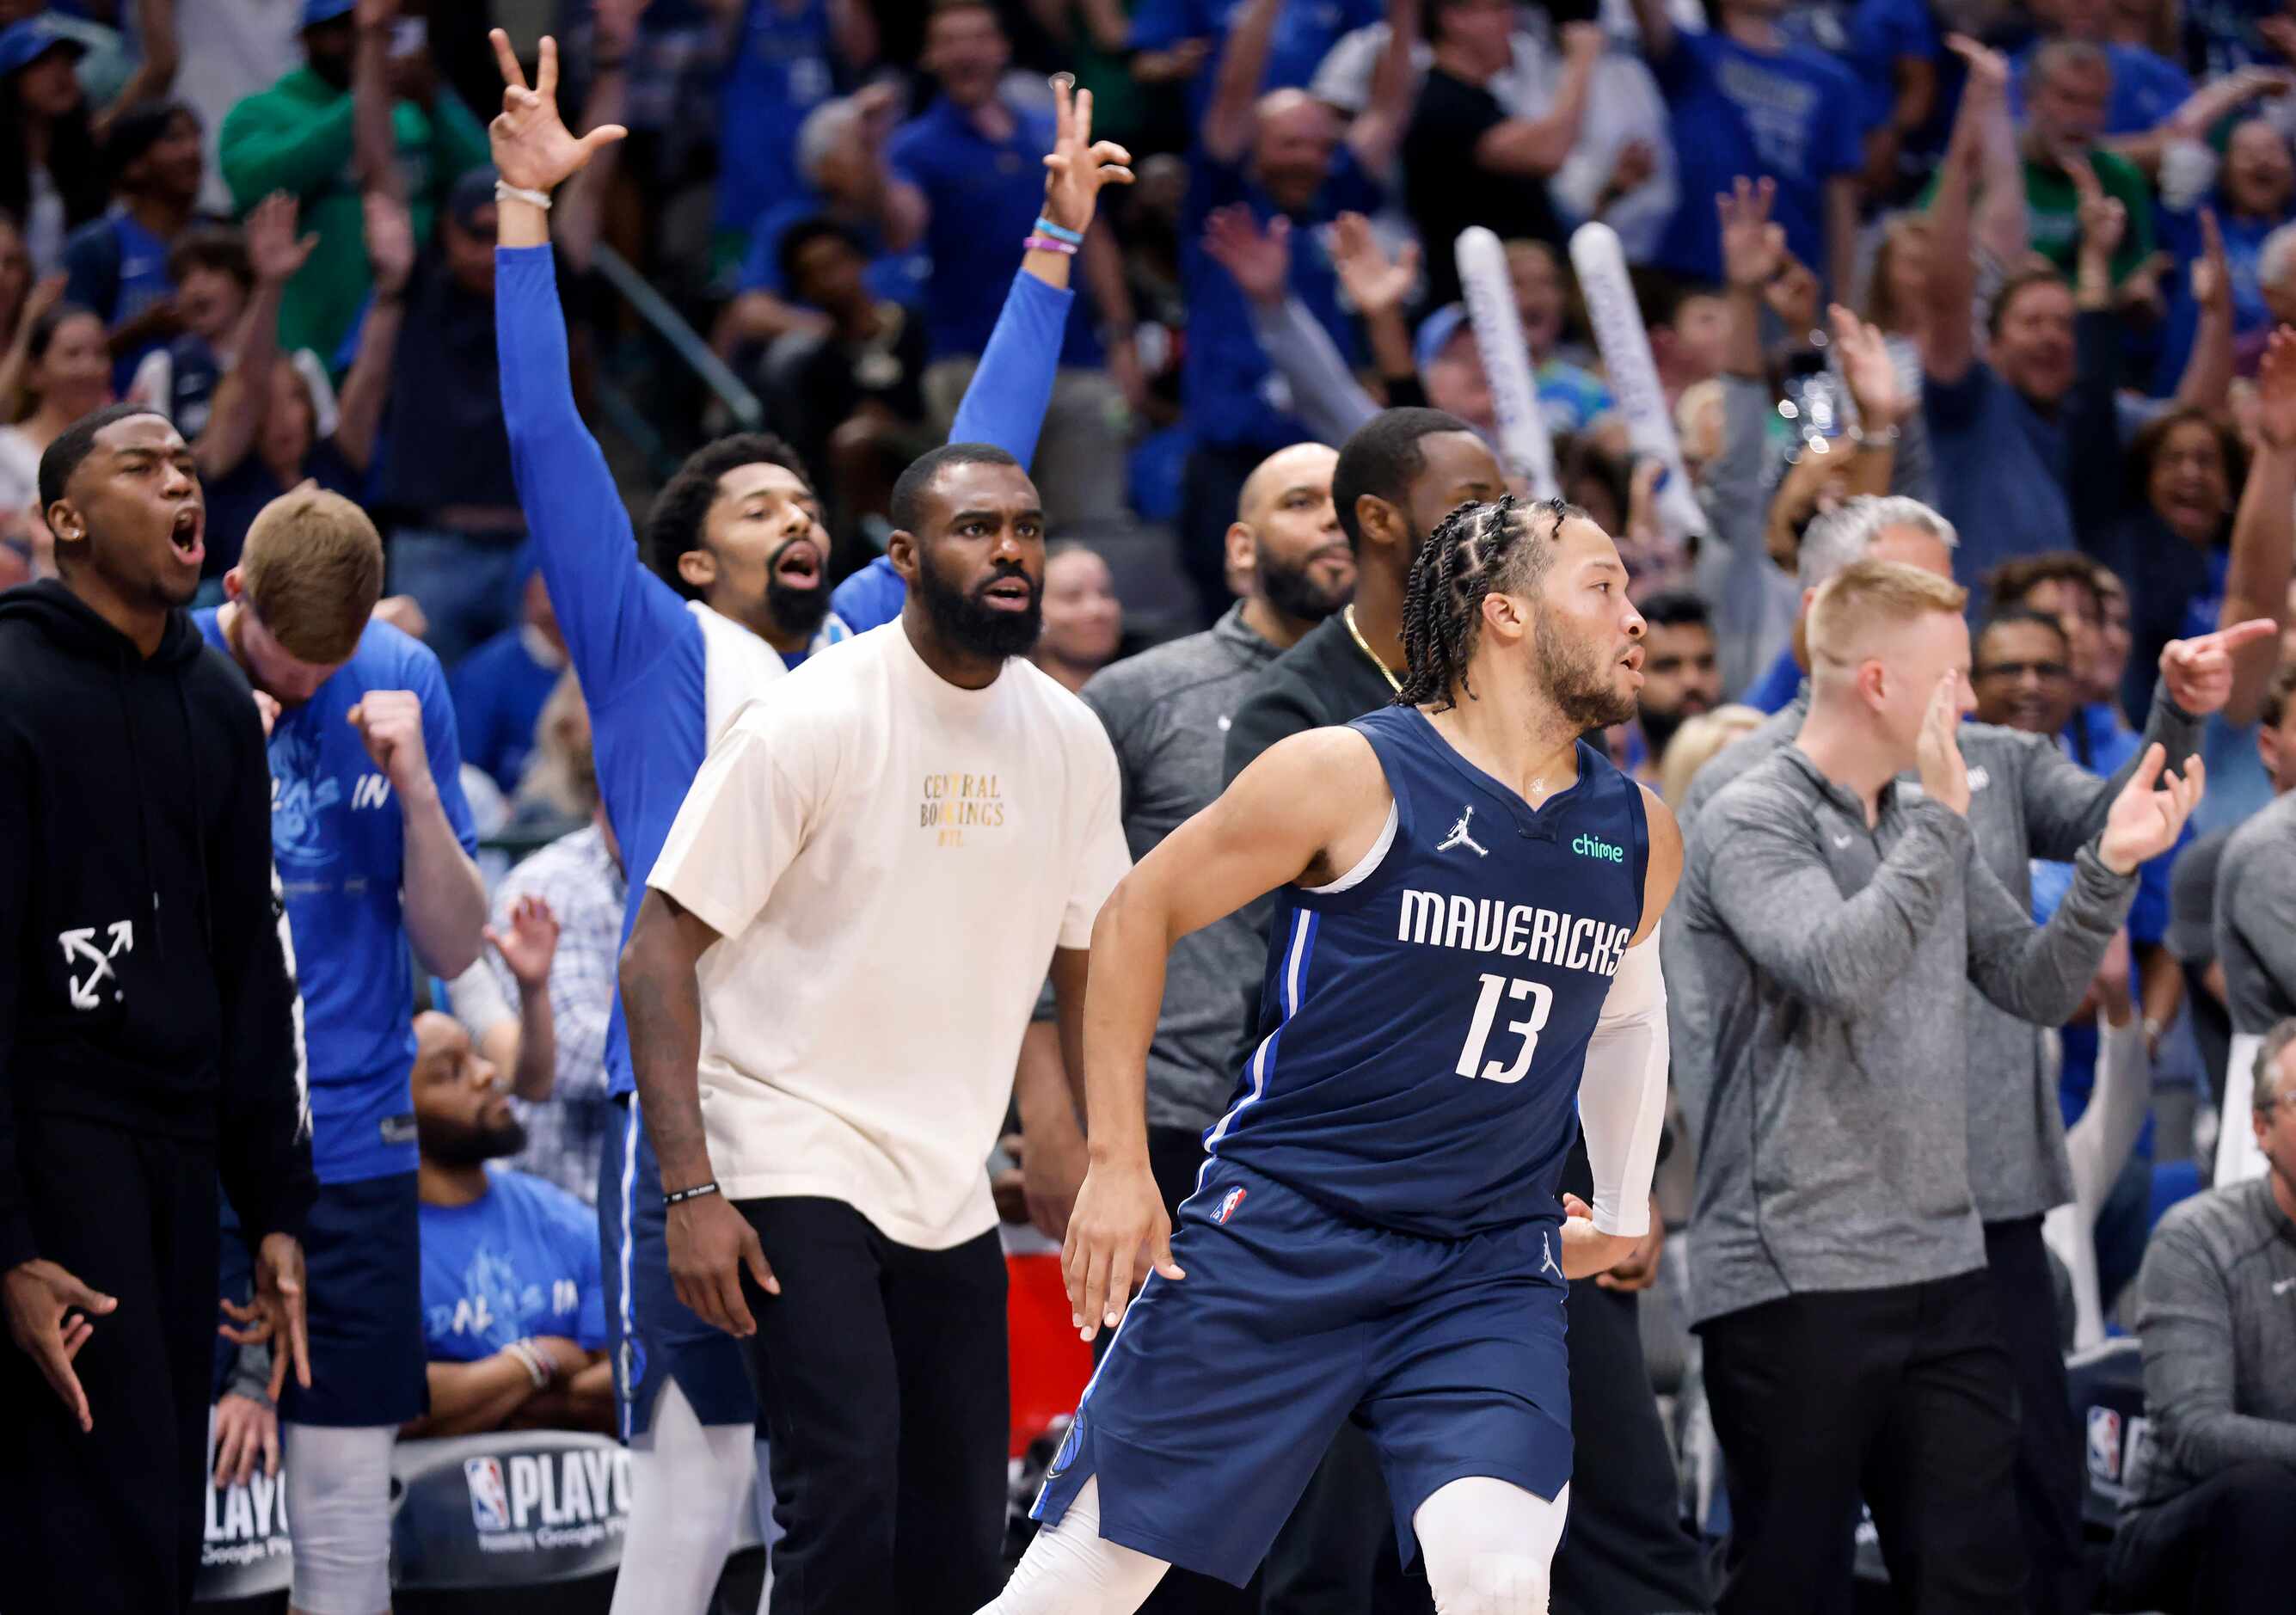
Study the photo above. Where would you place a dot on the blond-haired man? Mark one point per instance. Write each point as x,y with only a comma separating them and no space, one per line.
374,844
1852,1345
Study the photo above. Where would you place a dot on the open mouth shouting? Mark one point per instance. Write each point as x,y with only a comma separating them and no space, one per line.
186,533
797,565
1011,592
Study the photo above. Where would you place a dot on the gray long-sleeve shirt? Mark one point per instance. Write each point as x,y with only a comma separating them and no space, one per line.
2027,801
1167,712
2256,918
1833,1123
2219,1324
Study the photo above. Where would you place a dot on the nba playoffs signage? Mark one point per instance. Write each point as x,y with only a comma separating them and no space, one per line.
514,1510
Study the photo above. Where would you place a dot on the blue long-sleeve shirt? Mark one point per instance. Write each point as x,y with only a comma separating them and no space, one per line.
662,674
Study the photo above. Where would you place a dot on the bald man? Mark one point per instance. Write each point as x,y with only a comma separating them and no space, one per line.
1168,711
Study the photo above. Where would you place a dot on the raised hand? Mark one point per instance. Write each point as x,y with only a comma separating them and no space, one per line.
530,943
615,25
1373,281
2103,220
1077,165
1869,370
2275,391
390,723
1118,1228
1944,774
389,241
2211,273
1989,69
2149,814
533,149
1793,295
274,250
1753,249
49,1317
1258,258
2198,672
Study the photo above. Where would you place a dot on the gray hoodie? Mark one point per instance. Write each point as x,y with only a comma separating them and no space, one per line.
1834,1124
2027,801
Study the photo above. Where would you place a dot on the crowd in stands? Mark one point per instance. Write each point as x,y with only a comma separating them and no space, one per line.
2000,290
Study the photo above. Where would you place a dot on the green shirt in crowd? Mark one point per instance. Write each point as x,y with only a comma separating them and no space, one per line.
296,137
2052,210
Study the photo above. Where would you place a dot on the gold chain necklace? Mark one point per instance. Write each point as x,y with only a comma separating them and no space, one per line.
1356,633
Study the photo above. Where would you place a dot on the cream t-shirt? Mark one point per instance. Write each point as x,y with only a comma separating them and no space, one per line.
890,861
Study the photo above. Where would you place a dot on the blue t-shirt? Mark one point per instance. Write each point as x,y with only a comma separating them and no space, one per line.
985,196
340,844
116,267
1796,116
1869,37
499,692
780,71
518,1263
1234,396
1306,30
1774,691
2146,89
2243,246
897,277
2002,468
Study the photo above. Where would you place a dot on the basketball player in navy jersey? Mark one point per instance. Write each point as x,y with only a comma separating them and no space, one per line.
1461,972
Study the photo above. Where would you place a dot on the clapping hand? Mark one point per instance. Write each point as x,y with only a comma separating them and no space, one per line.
1373,281
1257,258
1944,773
2149,814
1869,370
528,941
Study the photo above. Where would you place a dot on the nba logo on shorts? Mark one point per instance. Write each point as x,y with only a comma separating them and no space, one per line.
489,1500
1228,1203
2104,1445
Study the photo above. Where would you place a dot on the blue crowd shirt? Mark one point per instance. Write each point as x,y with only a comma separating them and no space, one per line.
2002,468
985,196
1774,691
519,1262
2243,246
1234,396
341,846
1796,115
1306,30
116,267
655,668
500,690
1869,37
779,73
896,277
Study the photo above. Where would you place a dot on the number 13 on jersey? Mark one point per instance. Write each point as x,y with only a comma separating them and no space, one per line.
1496,989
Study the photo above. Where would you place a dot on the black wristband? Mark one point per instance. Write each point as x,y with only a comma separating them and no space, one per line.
679,1196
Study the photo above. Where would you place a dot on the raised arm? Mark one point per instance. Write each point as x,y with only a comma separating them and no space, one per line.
1948,338
1257,258
2263,531
243,397
375,139
1538,146
2207,381
525,944
1012,385
1656,23
1308,808
1377,130
1226,132
391,250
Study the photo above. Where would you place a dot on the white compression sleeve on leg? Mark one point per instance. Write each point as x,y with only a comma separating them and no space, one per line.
1072,1569
338,1516
689,1483
1487,1544
1622,1091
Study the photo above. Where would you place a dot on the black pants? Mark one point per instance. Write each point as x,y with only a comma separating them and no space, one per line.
109,1522
1624,1551
2049,1477
1903,1394
882,1374
2219,1549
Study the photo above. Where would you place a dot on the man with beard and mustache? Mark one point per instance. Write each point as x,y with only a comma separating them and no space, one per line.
1396,476
890,844
375,847
1169,711
513,1306
1466,897
1681,676
147,1013
669,638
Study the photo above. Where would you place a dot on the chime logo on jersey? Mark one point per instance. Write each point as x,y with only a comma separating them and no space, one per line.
1229,1201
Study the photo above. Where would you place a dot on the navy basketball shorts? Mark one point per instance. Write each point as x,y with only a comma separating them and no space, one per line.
363,1256
652,1337
1221,1391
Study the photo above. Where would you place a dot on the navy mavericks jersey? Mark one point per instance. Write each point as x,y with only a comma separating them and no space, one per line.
1422,1028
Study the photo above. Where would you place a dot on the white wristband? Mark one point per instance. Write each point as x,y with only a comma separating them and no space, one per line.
506,192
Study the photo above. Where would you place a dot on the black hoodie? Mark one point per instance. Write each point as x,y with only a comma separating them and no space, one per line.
142,984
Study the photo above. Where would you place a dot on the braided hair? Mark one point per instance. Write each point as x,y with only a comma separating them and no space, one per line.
1477,548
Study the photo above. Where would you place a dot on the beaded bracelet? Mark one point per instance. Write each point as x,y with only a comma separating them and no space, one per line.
1045,243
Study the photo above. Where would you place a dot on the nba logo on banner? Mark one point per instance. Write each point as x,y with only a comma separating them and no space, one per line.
2104,1445
1229,1202
489,1498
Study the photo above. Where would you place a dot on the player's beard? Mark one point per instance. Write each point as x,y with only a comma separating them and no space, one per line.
1292,591
971,626
475,1144
1576,678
